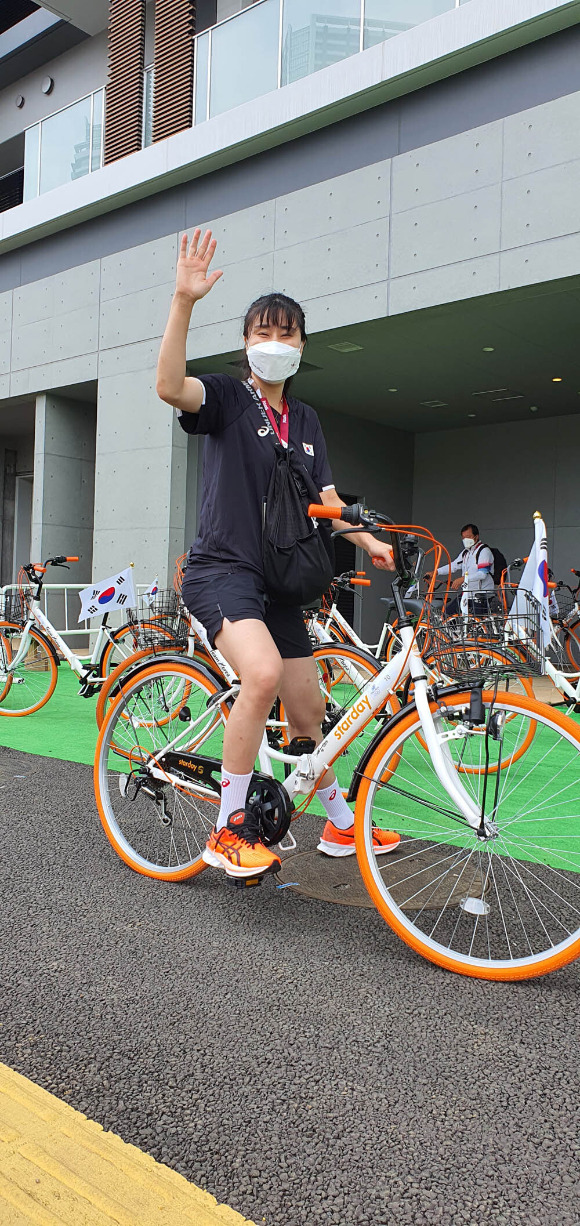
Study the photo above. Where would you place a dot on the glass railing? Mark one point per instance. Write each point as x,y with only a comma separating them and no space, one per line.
64,146
275,42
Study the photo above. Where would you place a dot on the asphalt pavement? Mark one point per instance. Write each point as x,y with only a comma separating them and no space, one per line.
292,1057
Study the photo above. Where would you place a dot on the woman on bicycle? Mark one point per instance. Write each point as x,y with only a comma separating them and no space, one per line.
266,643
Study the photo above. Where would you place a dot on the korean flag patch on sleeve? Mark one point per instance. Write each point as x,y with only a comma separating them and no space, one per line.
309,449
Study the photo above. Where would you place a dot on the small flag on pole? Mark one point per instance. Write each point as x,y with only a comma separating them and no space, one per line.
150,594
116,592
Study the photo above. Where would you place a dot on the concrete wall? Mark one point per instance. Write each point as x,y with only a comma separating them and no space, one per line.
498,476
76,73
64,477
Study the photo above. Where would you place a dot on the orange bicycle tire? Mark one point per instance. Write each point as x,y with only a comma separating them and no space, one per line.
179,874
38,638
448,962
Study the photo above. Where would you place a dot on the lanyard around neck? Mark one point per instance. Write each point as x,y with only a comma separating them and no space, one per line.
282,431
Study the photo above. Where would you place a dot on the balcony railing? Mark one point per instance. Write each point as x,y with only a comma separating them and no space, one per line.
274,42
64,146
266,46
11,189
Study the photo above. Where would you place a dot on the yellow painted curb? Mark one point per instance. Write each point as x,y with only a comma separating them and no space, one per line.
58,1168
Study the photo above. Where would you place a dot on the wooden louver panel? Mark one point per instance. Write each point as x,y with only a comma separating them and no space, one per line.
124,93
173,87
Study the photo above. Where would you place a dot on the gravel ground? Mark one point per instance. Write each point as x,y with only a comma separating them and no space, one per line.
292,1057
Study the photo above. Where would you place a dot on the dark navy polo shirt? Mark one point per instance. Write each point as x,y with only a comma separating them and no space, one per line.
237,465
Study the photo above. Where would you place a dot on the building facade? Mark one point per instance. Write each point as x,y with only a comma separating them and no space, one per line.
407,169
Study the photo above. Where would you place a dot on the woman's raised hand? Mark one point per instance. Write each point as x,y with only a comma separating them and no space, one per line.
193,279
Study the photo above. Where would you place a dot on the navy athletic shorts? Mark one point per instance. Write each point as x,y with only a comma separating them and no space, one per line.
213,595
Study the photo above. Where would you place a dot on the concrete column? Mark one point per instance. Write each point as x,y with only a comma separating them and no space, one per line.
141,470
64,470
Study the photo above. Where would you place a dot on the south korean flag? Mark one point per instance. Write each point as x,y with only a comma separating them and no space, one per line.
150,594
116,592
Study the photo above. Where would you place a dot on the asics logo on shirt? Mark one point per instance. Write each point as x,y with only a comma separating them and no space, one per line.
263,431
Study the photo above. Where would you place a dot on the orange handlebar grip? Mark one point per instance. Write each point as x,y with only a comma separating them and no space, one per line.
72,559
361,582
320,512
551,584
362,573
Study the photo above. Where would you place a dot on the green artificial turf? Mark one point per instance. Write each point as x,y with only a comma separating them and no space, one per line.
66,728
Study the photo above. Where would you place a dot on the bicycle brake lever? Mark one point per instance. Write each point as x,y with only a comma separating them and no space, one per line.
349,531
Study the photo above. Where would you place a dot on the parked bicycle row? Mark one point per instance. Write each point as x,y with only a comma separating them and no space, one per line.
31,648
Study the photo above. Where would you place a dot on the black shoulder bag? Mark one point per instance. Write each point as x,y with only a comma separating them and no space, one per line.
297,553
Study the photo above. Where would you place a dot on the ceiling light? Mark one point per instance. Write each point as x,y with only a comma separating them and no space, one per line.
395,389
345,347
471,414
515,396
491,391
488,349
557,379
434,404
533,408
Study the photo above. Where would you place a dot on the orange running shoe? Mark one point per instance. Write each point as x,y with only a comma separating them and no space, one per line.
238,849
335,842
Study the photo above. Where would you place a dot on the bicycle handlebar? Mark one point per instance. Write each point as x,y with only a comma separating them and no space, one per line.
35,570
318,511
361,582
362,517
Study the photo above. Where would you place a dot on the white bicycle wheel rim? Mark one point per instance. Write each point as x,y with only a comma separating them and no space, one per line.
470,962
118,838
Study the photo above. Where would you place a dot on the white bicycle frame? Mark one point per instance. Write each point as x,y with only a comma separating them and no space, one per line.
309,768
567,683
564,681
322,633
37,617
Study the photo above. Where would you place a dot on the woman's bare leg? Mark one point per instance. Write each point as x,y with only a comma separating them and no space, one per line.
250,649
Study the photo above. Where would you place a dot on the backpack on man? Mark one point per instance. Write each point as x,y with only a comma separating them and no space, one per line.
499,561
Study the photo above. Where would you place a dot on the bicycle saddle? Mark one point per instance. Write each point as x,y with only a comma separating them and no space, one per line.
411,604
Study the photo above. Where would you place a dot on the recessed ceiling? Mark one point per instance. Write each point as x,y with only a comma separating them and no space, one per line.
436,357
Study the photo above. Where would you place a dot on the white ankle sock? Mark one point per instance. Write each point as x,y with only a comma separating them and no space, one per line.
234,793
336,807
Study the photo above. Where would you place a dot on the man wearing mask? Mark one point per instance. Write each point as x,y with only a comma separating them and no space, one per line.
475,564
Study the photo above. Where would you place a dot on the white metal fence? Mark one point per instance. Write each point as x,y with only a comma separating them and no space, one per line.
60,604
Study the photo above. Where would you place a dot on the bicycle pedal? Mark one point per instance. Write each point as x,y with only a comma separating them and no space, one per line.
241,883
299,745
88,691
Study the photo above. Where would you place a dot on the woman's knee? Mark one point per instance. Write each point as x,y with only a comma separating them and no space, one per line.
261,679
310,714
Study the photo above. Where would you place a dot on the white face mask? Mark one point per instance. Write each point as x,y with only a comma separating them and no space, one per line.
468,541
272,361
